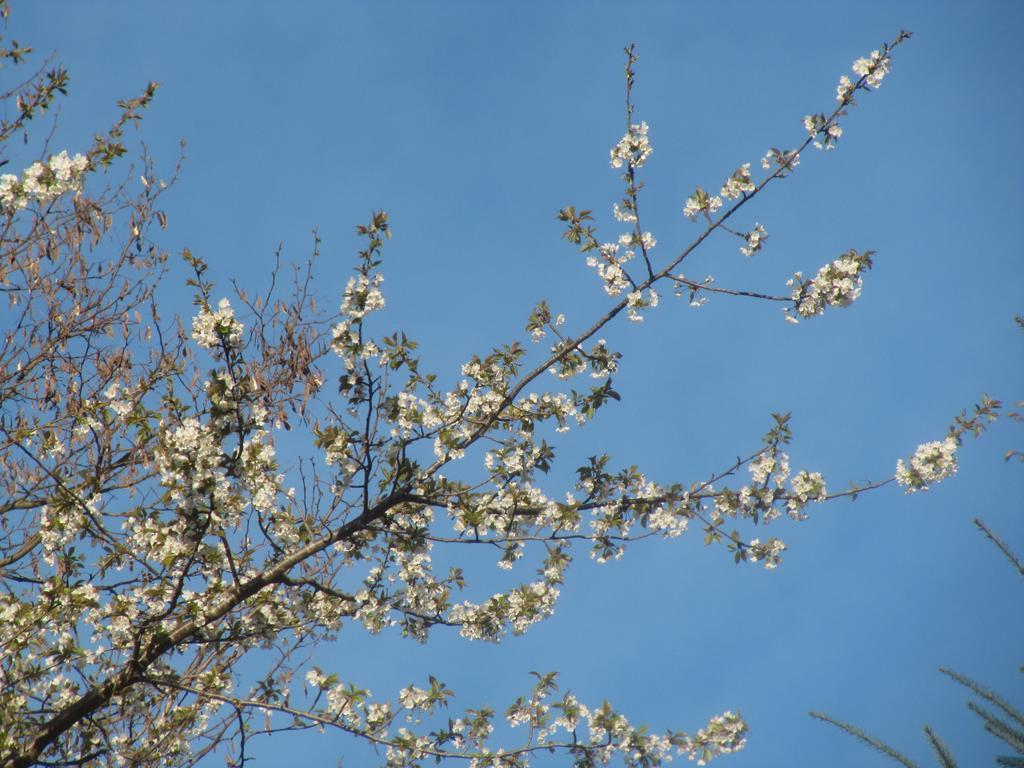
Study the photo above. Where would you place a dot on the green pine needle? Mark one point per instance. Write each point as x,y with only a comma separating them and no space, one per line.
941,750
1002,546
857,733
988,695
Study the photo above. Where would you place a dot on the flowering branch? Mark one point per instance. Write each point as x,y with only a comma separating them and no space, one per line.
153,538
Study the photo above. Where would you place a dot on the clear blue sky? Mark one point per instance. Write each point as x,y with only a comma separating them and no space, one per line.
472,123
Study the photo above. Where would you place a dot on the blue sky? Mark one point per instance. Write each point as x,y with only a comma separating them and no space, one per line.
472,124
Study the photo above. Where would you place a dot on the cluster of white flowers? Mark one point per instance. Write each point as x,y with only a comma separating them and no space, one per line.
378,716
210,497
667,523
572,711
538,333
341,701
766,464
755,240
515,459
608,264
337,452
413,412
521,607
43,182
767,498
532,712
189,461
836,285
418,700
362,296
641,502
259,475
739,183
931,463
315,678
771,552
633,149
423,593
211,329
58,528
806,487
412,697
453,418
826,131
601,731
845,89
872,69
493,512
637,301
121,407
723,735
623,213
601,361
701,202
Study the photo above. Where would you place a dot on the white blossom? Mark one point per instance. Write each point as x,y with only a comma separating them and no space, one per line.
701,202
931,463
837,284
755,240
43,182
739,183
774,157
633,149
211,329
872,69
770,552
806,486
623,214
608,264
844,90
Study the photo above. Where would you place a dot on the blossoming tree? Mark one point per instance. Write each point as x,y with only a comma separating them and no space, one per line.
152,539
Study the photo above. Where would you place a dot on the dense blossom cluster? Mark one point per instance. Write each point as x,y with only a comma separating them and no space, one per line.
362,296
872,68
738,184
770,552
608,264
807,486
633,149
931,463
722,735
43,182
837,284
521,608
59,528
212,329
845,89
